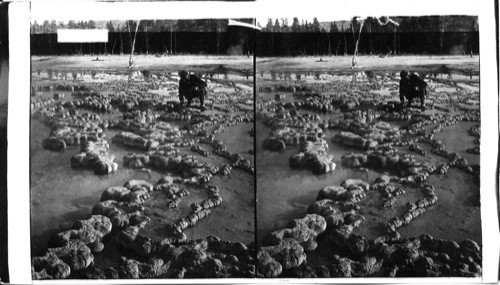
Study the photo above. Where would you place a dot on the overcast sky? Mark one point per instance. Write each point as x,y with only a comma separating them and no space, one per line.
324,10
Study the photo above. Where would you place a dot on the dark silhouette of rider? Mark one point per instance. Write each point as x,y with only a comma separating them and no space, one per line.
190,87
412,86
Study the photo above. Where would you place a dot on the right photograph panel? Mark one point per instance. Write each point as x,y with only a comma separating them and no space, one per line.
367,134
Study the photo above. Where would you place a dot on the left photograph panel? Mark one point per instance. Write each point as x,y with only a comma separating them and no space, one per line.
142,149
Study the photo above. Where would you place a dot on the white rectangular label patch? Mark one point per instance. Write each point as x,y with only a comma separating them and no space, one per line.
82,36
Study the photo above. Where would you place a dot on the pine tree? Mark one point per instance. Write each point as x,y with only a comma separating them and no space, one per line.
284,25
269,26
72,24
333,28
110,27
315,27
295,25
277,27
91,25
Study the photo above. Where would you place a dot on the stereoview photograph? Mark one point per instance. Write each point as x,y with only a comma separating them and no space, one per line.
368,134
142,159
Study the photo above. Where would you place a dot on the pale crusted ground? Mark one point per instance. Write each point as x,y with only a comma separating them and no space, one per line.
339,63
285,194
375,63
60,194
113,62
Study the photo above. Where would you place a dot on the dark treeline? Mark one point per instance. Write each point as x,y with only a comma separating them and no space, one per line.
376,25
395,36
297,44
237,41
234,41
183,25
414,35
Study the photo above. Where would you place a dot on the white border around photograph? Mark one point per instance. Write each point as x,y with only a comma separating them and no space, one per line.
21,13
